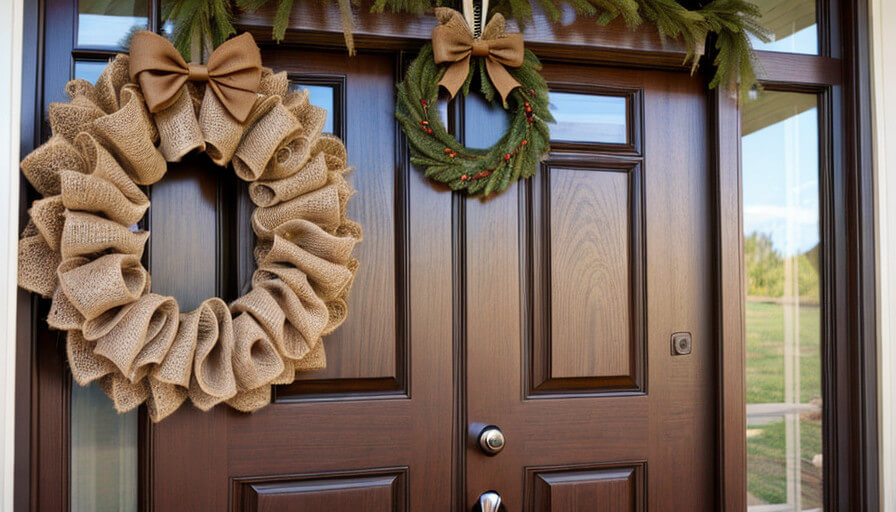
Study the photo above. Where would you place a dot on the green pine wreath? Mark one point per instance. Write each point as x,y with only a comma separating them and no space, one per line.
477,171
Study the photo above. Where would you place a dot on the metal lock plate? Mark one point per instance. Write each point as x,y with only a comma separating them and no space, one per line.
681,343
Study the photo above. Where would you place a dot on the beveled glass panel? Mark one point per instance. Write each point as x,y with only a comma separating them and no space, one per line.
323,96
110,23
792,24
782,241
589,118
103,442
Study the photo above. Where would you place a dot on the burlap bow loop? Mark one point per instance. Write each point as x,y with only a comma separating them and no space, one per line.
233,72
453,43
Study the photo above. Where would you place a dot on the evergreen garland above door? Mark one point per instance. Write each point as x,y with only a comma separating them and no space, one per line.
732,22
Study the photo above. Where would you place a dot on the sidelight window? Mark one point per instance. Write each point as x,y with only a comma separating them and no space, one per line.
784,317
103,443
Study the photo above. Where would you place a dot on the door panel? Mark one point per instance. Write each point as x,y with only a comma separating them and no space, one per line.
574,288
586,280
374,493
372,355
600,489
362,414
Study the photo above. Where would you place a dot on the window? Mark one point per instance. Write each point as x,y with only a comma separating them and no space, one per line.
103,443
792,24
782,247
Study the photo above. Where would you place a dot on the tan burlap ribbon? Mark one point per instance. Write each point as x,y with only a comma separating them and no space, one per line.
233,72
82,248
453,43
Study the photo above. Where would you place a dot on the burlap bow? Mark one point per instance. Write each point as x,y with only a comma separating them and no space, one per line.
233,72
453,43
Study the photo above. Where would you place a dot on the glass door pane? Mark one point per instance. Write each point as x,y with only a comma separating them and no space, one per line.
783,312
103,442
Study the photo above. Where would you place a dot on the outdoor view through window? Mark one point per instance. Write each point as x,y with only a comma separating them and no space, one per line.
781,176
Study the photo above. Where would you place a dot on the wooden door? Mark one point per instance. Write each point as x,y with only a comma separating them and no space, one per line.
576,282
373,431
547,311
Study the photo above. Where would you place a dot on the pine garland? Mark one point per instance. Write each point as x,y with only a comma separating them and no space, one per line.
731,21
199,20
477,171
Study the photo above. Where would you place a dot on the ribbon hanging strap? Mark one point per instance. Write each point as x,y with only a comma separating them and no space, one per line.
453,43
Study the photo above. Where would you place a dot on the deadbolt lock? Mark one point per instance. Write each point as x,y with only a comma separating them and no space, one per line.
491,440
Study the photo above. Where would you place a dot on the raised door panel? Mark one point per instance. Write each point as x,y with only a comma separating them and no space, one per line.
588,287
371,356
378,493
613,489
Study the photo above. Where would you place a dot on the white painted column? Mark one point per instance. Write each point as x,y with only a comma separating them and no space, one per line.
11,12
883,55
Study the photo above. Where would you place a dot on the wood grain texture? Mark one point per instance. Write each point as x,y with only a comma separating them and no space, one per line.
590,281
553,291
594,490
372,340
796,70
731,294
183,223
380,493
195,456
673,424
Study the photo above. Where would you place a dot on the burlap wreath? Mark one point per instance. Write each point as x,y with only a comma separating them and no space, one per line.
82,247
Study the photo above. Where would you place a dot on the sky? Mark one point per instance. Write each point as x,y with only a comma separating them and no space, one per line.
780,183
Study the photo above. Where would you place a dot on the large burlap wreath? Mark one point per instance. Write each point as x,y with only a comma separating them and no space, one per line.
83,249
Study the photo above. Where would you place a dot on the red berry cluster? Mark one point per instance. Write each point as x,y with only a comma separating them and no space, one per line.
528,112
425,123
486,173
481,175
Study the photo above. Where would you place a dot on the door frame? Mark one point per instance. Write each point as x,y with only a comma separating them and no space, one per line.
842,76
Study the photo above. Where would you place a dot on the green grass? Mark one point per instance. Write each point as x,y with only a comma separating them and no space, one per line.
766,447
765,352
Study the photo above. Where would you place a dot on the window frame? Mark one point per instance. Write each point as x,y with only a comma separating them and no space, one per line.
840,77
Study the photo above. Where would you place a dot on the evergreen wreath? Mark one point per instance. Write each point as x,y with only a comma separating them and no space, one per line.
477,171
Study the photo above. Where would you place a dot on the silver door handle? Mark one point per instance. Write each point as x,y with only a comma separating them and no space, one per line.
489,502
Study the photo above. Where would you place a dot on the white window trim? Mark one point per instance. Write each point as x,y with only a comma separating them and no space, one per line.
11,17
883,55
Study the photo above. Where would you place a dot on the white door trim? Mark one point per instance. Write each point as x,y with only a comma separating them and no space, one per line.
11,18
883,58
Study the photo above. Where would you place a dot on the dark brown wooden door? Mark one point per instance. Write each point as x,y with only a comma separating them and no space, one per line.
575,284
547,311
373,431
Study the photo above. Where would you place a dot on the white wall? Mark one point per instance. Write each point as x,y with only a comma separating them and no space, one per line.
883,54
10,101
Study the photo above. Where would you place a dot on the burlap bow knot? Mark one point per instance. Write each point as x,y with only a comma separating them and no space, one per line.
453,43
233,72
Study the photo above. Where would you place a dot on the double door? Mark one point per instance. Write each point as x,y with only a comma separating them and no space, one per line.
574,312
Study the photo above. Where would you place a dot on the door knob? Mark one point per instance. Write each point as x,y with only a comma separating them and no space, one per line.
489,502
491,440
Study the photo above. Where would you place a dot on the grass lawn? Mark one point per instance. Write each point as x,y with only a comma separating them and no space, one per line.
766,443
